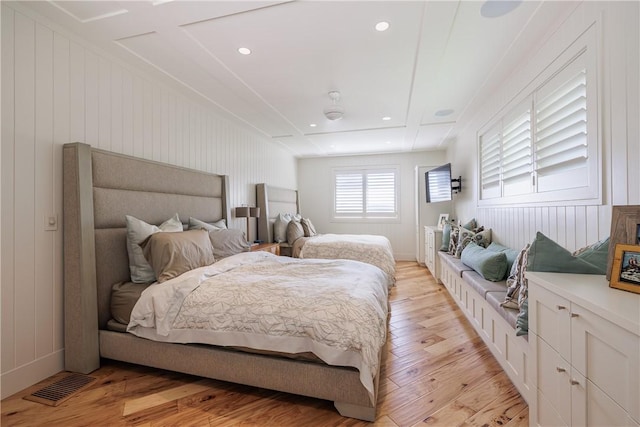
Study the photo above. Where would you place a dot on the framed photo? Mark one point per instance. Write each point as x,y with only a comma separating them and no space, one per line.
625,273
442,220
625,229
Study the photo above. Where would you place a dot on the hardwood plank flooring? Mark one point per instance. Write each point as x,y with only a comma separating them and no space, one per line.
437,372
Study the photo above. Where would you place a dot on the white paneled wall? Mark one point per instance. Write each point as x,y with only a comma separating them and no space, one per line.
619,102
56,90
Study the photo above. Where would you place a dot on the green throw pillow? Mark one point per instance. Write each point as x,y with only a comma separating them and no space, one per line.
547,255
446,237
511,254
490,265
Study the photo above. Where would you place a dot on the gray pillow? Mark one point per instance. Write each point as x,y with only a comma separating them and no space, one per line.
511,254
137,232
124,296
228,242
280,228
307,226
171,254
294,231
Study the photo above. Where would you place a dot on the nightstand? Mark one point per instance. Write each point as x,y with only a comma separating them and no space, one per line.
274,248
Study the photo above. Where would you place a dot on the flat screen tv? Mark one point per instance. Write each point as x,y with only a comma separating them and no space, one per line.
438,184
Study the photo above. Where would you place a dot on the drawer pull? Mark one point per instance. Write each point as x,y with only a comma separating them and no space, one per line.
561,307
575,315
574,382
559,369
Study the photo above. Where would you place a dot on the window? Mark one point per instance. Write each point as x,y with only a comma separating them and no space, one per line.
545,147
366,193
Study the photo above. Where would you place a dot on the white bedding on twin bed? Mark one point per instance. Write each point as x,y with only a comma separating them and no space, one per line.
372,249
336,309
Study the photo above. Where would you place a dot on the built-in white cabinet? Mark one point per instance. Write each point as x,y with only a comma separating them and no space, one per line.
585,351
432,243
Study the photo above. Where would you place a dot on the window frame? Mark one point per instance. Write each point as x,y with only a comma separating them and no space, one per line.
363,215
582,53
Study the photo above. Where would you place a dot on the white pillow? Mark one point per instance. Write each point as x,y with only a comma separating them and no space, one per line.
195,224
137,232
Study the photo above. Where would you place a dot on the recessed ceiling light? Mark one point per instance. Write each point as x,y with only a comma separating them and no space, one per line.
313,125
244,50
382,26
386,118
443,113
388,142
496,8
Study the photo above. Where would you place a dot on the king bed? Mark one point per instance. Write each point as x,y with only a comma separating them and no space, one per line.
102,188
274,202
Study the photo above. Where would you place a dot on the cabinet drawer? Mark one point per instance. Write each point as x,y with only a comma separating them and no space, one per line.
550,318
553,379
607,355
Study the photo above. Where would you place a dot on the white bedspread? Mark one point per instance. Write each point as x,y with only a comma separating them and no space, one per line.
336,309
369,248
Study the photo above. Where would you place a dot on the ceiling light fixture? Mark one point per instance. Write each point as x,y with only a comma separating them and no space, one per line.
497,8
334,111
386,118
382,26
313,125
244,50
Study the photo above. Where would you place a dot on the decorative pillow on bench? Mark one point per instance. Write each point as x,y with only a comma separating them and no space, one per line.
547,255
491,265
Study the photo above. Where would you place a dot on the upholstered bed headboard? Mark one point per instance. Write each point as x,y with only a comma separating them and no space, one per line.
99,189
273,201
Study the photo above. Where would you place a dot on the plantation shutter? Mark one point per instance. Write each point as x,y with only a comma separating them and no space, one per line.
380,196
490,154
561,146
349,193
516,152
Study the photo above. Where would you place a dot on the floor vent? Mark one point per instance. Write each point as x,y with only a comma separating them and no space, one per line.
61,390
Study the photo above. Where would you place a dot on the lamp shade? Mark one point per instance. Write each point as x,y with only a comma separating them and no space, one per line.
242,212
254,212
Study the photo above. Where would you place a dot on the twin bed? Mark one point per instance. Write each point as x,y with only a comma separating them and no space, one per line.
371,249
287,333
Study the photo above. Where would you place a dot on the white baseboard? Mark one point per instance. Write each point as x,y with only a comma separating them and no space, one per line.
27,375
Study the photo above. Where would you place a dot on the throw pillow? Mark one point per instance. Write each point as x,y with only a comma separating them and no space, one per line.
466,236
471,225
280,227
446,237
522,321
228,242
516,279
307,226
453,239
137,232
547,255
171,254
294,231
511,254
490,265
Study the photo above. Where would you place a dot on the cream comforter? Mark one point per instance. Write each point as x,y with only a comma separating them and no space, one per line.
336,309
372,249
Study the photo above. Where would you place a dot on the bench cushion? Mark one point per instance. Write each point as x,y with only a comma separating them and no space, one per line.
482,286
509,314
454,263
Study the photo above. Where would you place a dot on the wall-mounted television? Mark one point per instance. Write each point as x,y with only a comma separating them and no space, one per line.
438,184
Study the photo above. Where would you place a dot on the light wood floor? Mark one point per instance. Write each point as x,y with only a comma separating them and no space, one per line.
437,372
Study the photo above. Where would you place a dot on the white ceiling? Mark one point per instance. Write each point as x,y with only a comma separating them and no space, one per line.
436,55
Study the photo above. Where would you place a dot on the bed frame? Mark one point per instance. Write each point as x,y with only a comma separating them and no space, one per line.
99,189
273,201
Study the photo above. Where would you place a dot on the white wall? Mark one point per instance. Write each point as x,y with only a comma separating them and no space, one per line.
572,226
57,90
315,189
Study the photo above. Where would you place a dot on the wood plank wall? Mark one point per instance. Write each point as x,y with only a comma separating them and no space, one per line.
57,90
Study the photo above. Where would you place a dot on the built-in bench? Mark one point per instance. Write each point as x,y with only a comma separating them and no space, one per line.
480,301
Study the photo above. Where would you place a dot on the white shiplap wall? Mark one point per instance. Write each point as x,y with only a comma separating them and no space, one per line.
572,226
57,90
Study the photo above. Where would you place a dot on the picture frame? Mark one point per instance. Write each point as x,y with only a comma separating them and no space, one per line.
625,229
625,272
442,220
